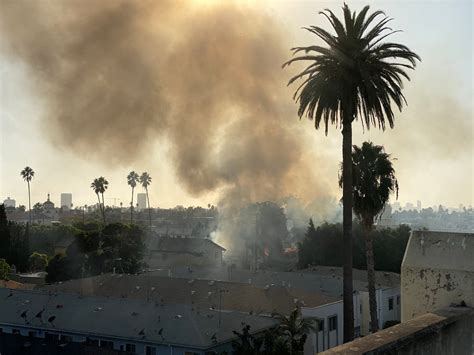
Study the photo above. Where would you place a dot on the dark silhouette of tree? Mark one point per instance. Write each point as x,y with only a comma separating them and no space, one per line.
373,183
145,180
5,238
132,179
27,174
246,343
99,185
295,330
356,74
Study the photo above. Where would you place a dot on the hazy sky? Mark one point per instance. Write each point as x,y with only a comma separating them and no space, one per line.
432,139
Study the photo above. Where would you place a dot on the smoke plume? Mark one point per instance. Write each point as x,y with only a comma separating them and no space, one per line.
118,75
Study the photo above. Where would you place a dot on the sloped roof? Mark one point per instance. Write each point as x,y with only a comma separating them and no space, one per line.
181,244
319,279
124,318
16,285
200,293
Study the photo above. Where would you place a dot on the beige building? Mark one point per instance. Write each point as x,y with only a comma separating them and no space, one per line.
437,272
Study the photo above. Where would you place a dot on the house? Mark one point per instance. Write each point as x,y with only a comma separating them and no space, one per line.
131,325
222,296
182,251
325,279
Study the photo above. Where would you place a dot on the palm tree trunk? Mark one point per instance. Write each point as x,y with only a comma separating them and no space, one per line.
100,205
131,208
347,228
103,207
149,207
369,252
29,200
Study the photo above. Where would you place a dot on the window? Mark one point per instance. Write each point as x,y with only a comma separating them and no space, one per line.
164,256
31,333
332,323
106,344
49,336
320,324
92,342
15,331
150,350
390,303
190,353
398,300
130,348
67,338
360,306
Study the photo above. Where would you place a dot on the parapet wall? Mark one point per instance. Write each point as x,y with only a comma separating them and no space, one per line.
449,331
437,272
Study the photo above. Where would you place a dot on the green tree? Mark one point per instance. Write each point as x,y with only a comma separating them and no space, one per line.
132,179
99,185
27,174
373,183
4,269
145,180
295,330
356,74
58,269
38,262
246,343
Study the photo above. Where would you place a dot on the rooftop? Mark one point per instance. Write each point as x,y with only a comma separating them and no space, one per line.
181,244
150,322
317,279
200,293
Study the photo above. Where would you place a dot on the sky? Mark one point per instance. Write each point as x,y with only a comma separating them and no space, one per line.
432,141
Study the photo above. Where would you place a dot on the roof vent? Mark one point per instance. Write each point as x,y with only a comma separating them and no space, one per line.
191,281
98,309
212,282
178,316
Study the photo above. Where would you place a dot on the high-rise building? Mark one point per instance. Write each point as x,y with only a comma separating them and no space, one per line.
66,201
141,201
418,205
9,202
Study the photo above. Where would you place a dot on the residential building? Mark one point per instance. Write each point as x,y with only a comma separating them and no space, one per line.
66,201
181,251
131,325
318,279
437,271
224,296
437,300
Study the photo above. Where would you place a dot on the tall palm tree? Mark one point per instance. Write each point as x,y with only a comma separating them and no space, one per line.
295,329
373,183
145,180
132,179
27,174
355,74
99,185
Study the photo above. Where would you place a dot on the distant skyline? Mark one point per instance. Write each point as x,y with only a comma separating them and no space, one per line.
432,140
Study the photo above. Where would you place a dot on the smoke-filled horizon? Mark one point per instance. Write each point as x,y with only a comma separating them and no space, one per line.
120,75
199,90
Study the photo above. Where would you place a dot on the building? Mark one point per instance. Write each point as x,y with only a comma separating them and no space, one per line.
135,326
437,271
319,279
66,201
141,201
437,300
9,202
221,295
181,251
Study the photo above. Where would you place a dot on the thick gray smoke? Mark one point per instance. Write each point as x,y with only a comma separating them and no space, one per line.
117,75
